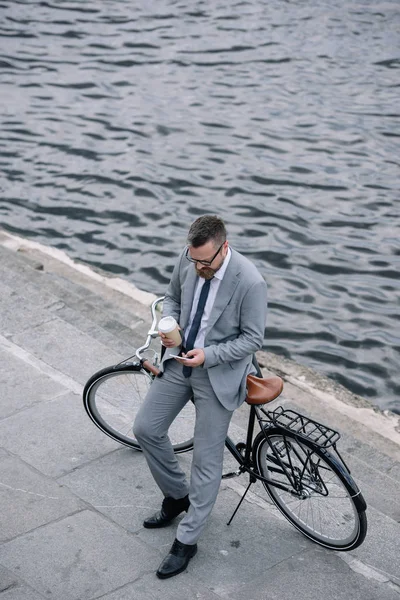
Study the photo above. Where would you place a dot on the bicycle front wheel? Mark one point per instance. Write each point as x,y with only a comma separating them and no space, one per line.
311,490
112,398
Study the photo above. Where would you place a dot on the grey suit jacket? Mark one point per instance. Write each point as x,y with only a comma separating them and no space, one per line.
236,325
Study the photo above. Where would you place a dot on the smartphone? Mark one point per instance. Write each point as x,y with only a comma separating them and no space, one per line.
183,358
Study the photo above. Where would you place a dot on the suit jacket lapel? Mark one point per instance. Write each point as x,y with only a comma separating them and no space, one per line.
225,291
187,296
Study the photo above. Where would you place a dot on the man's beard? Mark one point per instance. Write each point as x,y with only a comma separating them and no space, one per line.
207,272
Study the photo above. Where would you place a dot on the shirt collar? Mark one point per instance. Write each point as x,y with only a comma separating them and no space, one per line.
221,272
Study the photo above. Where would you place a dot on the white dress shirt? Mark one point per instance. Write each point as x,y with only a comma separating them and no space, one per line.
214,285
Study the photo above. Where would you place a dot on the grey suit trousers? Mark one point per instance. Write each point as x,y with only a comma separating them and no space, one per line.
165,399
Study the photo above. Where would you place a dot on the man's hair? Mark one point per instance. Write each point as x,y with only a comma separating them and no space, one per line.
207,228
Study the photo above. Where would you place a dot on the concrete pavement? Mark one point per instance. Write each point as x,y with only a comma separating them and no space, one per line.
72,501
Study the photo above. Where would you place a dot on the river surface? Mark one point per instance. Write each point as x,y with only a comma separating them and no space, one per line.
123,120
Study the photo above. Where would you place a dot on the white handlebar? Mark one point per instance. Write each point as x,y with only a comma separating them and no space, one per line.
153,332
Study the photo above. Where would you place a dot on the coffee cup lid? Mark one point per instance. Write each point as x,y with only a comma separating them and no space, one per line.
167,324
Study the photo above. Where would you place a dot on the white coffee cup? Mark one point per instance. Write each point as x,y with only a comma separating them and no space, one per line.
169,327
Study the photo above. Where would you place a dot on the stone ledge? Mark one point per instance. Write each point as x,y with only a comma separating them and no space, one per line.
29,247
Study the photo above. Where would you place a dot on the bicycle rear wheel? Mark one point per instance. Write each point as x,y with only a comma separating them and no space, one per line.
112,398
316,495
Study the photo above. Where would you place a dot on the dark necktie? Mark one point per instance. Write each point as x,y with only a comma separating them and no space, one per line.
187,371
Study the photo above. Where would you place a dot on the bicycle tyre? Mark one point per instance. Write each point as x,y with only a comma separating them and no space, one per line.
112,397
331,509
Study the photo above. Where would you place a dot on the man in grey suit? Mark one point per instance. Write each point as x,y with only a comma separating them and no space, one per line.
219,299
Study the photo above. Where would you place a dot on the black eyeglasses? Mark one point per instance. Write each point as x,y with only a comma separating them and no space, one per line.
206,263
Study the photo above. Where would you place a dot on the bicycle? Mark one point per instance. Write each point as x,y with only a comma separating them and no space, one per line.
294,457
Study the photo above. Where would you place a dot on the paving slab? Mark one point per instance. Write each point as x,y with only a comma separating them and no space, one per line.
17,314
23,284
366,452
12,588
22,385
381,548
313,575
149,587
28,499
66,348
7,580
32,276
77,558
112,333
117,485
21,592
54,437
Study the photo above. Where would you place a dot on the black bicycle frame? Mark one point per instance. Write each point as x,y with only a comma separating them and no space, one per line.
245,463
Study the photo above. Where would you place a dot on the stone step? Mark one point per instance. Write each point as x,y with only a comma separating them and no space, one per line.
38,290
130,299
69,284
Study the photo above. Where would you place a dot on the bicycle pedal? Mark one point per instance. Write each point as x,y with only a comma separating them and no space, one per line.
231,474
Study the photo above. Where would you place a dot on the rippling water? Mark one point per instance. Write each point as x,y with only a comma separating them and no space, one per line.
123,120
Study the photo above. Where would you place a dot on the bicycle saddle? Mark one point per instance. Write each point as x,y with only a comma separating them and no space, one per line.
261,391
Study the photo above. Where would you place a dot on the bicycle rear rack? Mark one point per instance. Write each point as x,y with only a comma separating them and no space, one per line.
304,427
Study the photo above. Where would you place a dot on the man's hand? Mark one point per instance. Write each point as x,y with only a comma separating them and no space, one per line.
167,342
196,356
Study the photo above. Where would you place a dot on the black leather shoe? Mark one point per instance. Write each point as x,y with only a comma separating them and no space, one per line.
170,509
177,560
